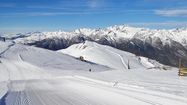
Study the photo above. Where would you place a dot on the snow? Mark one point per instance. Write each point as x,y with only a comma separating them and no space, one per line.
34,76
114,33
48,59
108,56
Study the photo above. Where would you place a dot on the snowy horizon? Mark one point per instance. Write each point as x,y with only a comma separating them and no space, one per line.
95,28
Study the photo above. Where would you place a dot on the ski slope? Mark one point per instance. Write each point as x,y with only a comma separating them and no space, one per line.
48,59
83,91
34,76
108,56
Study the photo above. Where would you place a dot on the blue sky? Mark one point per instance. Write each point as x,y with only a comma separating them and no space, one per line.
50,15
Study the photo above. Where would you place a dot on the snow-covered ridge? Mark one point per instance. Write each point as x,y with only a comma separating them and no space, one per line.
111,57
114,32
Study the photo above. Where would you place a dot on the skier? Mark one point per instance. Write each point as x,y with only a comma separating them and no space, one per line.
90,70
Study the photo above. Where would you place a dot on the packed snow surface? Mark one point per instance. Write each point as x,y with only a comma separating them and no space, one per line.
34,76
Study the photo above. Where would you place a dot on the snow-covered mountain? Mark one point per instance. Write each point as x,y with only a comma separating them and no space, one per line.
114,32
109,56
165,46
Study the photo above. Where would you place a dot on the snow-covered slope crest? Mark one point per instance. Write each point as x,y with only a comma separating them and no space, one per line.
109,56
43,58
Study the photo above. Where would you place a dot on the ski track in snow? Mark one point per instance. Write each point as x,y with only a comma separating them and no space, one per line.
28,84
121,58
78,90
129,88
9,46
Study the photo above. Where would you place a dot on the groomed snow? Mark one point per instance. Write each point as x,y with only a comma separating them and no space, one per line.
33,76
